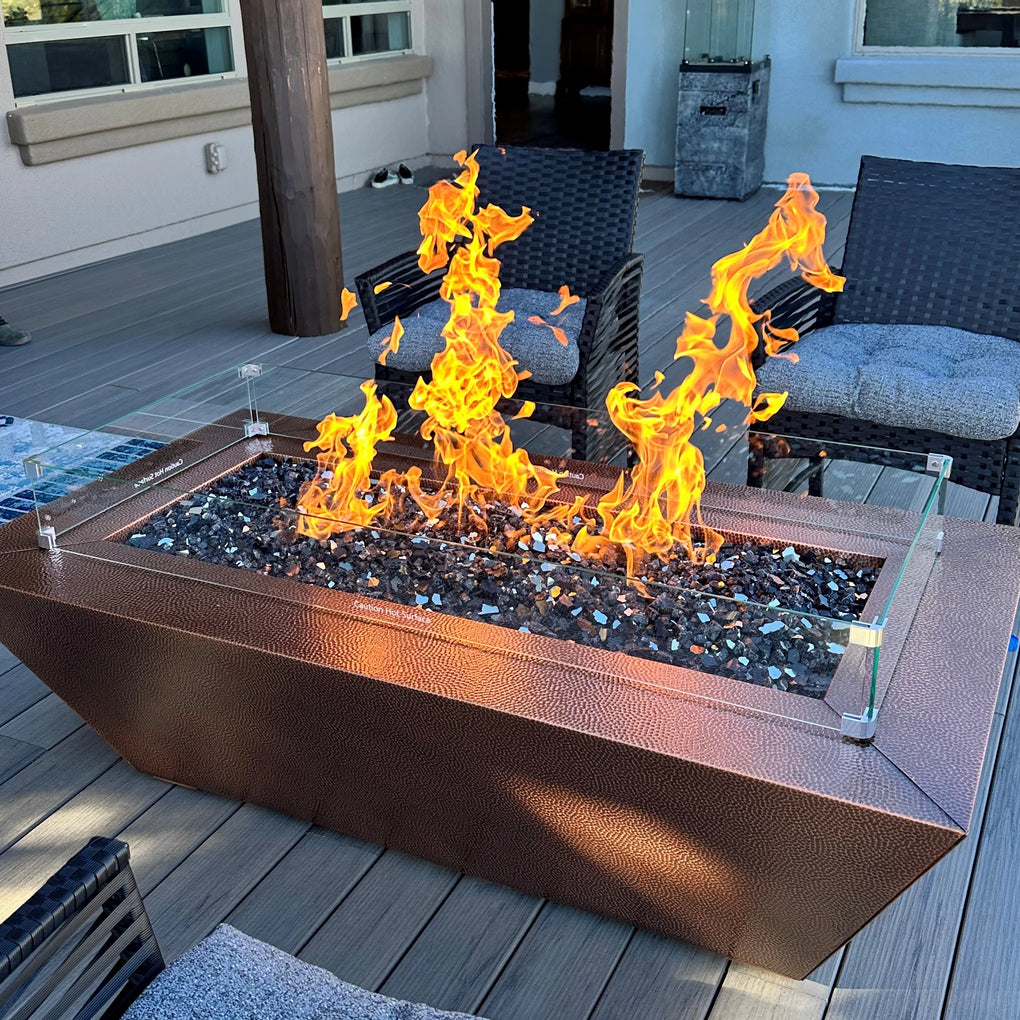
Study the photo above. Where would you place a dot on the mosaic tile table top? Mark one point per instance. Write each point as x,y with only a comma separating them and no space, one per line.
21,437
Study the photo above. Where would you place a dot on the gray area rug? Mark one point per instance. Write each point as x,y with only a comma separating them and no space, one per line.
231,976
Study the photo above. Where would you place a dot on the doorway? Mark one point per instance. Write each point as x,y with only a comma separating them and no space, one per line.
552,68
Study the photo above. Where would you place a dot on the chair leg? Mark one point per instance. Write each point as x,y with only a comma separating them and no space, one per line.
755,460
1009,493
815,478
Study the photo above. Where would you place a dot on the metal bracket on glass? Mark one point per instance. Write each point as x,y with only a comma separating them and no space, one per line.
248,371
941,463
868,635
33,468
859,727
47,537
256,428
938,542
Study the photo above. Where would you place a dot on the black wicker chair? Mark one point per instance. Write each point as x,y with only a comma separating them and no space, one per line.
585,207
82,947
928,244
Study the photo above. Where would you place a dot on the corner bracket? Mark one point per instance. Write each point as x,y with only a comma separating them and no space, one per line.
868,635
936,462
859,728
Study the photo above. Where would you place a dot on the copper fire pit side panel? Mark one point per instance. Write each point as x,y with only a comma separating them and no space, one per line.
282,705
764,840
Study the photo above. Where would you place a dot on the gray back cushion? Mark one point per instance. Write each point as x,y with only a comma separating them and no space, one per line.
926,377
533,346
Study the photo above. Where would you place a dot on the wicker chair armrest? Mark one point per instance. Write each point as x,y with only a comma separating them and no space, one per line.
794,304
614,288
85,874
91,911
607,342
410,289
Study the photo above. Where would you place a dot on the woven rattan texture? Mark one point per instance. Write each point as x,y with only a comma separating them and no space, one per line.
97,876
585,209
934,244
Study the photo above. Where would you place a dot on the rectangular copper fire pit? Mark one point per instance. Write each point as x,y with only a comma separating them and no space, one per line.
612,783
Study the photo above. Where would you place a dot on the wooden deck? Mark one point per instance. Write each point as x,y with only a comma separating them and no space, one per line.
108,338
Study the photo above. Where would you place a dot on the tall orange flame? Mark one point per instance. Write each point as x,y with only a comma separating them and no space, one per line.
335,500
473,372
650,513
658,506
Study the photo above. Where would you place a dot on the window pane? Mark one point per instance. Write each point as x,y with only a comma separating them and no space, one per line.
59,12
376,33
42,67
942,23
166,55
334,38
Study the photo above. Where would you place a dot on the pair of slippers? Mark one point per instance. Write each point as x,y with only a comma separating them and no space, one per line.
385,178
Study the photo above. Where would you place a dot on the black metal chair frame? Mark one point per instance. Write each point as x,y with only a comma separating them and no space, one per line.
585,208
929,244
82,947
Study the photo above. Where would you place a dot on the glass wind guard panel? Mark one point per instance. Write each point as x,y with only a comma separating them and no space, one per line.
215,496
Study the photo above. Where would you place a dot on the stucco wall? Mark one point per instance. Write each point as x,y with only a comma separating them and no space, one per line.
827,107
655,47
444,38
813,127
63,214
545,41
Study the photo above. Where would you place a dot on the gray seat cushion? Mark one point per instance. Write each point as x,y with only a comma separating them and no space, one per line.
230,976
925,377
533,346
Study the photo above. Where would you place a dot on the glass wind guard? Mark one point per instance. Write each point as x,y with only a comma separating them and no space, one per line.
893,497
226,491
718,31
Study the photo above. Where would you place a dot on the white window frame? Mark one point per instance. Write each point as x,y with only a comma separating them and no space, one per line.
859,49
344,13
128,30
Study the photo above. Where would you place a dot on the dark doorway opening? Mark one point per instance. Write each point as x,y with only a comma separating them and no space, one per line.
552,64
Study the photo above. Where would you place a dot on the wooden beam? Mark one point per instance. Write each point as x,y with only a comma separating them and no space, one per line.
286,51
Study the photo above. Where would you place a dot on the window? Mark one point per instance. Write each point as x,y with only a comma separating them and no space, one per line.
361,28
84,46
99,44
942,23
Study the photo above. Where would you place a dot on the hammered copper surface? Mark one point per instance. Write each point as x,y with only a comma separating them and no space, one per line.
561,774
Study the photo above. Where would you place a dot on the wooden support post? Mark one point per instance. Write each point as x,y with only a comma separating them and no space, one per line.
286,50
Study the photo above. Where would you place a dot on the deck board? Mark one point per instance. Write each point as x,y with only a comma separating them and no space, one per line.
986,971
560,968
108,336
372,929
293,900
459,955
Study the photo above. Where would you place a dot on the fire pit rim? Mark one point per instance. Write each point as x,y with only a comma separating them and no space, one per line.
844,693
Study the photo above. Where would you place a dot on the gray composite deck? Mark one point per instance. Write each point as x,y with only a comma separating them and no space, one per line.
110,337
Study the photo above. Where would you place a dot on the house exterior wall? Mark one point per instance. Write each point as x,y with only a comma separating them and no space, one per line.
545,45
828,106
655,47
68,213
